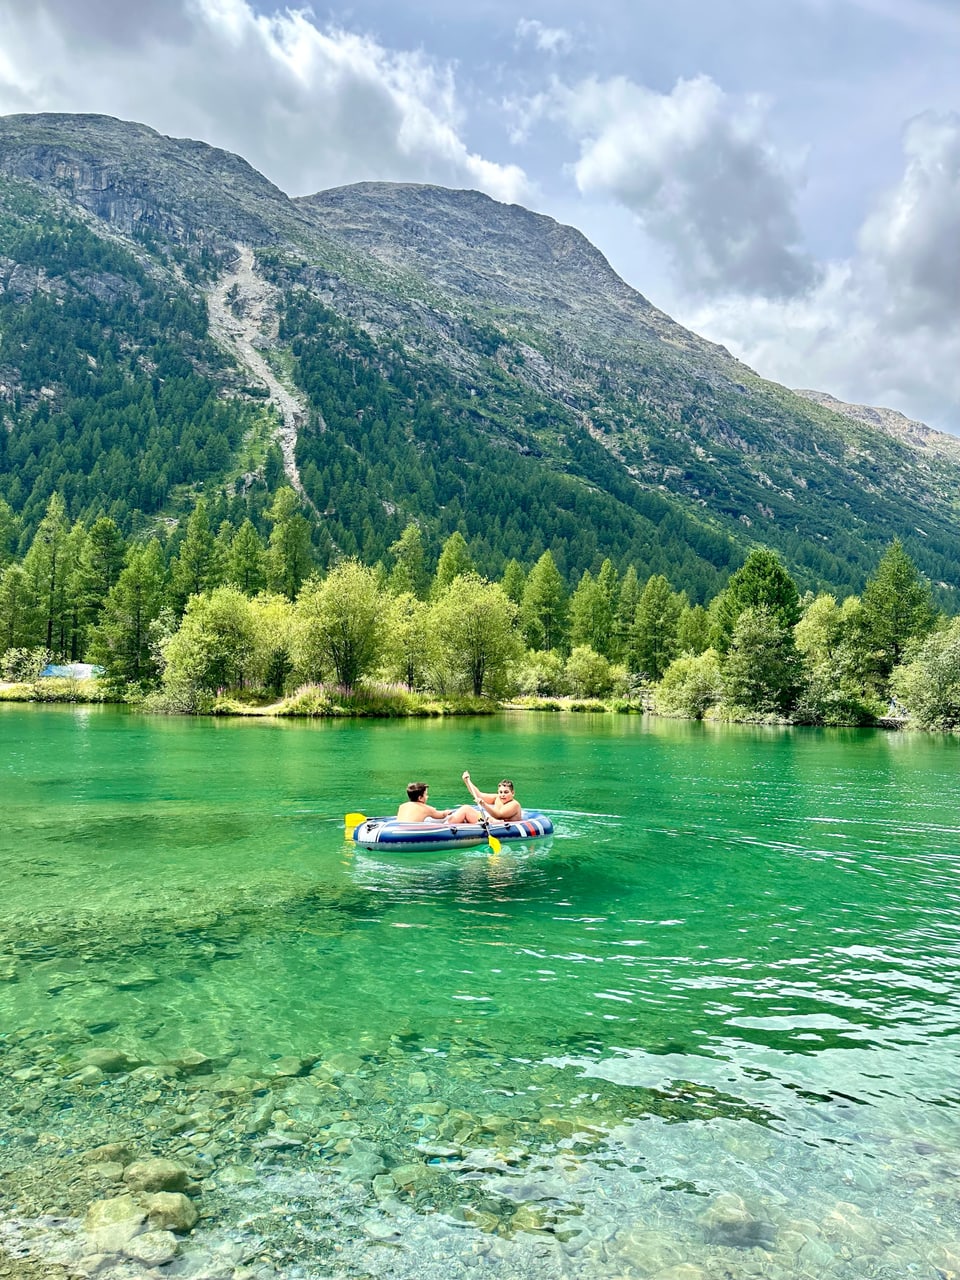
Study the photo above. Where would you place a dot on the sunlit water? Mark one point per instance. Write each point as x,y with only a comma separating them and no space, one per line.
712,1022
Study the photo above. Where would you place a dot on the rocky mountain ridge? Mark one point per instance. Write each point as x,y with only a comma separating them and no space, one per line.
463,326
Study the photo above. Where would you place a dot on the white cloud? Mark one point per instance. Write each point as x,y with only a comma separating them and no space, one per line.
553,40
884,326
696,169
310,106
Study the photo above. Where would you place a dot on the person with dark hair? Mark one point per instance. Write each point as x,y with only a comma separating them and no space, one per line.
502,805
416,807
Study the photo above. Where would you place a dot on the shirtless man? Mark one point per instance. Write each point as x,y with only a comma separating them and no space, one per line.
415,807
504,806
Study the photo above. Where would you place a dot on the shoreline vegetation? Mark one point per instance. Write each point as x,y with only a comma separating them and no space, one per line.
381,702
217,624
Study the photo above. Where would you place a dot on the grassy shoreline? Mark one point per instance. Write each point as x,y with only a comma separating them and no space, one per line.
368,702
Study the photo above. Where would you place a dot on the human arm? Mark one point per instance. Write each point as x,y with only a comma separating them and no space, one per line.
504,810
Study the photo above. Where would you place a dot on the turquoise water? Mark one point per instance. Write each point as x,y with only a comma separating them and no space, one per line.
714,1017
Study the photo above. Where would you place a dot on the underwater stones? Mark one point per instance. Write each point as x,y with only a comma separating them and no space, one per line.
646,1250
87,1076
346,1064
683,1271
847,1224
728,1221
109,1224
109,1153
530,1217
156,1175
287,1067
945,1259
413,1177
153,1248
418,1082
236,1175
193,1063
170,1211
109,1061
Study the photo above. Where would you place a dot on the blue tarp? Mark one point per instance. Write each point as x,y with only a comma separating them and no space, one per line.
76,670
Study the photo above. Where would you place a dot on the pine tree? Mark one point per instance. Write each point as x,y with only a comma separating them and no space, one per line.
897,607
454,561
544,607
196,568
409,573
47,568
245,566
290,555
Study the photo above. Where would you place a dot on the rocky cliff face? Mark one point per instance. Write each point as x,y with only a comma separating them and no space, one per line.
917,435
132,177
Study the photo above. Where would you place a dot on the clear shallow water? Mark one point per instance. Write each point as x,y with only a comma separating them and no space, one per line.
715,1016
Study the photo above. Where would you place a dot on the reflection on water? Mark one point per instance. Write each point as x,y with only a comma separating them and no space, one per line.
710,1023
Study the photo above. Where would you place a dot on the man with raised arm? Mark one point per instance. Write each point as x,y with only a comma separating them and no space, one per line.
502,805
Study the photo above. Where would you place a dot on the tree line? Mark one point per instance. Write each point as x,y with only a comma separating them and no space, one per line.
226,608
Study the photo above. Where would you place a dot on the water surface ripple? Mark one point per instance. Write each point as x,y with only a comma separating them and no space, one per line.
710,1024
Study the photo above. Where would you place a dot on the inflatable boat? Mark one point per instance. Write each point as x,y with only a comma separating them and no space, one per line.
421,837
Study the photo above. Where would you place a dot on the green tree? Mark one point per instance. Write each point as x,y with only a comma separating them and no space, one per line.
761,672
513,581
101,562
9,530
121,639
542,673
693,629
761,582
48,567
543,612
340,624
409,573
214,645
245,562
929,684
589,674
828,639
654,641
475,628
16,630
591,615
271,663
897,608
455,561
290,555
196,567
690,685
407,643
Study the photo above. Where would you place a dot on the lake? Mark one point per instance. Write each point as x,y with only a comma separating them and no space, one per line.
709,1028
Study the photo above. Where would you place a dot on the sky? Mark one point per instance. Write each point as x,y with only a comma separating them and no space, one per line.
781,176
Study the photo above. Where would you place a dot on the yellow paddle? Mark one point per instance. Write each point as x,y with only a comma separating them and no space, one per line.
492,841
350,822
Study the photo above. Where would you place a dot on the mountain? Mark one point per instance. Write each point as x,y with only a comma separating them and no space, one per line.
168,317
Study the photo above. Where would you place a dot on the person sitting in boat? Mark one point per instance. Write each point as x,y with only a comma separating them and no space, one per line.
504,805
416,808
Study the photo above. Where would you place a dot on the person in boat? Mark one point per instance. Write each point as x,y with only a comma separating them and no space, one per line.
417,809
502,805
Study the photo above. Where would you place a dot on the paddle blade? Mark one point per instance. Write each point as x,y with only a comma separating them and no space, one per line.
494,843
350,822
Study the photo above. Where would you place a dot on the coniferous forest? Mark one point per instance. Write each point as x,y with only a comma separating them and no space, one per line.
485,497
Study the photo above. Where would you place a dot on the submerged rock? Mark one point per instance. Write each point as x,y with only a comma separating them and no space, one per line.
156,1175
153,1248
110,1061
111,1223
170,1211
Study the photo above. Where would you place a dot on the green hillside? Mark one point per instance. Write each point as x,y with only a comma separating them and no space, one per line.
462,363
